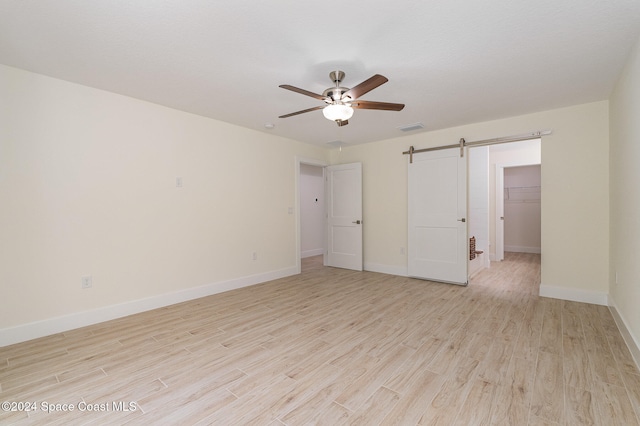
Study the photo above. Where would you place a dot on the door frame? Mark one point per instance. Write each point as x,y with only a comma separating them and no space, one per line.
311,162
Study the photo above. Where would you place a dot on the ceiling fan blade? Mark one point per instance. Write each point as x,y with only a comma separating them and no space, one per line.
302,91
302,112
366,86
386,106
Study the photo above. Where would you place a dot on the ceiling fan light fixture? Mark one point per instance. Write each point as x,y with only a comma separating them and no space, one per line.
337,112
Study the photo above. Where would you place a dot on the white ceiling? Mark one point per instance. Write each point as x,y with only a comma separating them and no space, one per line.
452,62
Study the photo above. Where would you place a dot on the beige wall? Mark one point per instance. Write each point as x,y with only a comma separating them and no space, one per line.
87,183
625,194
88,187
575,178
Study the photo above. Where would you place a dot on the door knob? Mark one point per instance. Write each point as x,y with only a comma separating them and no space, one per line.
462,220
357,222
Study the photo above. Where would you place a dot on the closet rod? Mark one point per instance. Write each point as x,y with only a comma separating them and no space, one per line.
484,142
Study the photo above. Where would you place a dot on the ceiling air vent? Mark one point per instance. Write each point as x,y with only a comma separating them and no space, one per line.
411,127
337,144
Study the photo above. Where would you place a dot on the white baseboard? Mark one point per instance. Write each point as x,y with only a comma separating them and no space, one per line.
522,249
310,253
33,330
386,269
575,295
629,338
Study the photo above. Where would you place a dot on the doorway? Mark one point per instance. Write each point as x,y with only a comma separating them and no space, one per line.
486,202
521,201
312,208
516,154
328,213
309,213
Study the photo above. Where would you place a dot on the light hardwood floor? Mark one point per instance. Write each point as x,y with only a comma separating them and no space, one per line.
334,347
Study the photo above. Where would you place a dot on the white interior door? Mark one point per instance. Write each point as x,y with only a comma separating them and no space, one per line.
438,242
344,216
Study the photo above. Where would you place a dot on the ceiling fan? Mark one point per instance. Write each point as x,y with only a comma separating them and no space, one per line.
340,101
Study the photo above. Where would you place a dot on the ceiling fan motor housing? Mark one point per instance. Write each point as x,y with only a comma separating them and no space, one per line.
334,94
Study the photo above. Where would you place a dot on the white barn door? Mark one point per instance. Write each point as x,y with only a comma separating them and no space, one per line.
344,216
438,242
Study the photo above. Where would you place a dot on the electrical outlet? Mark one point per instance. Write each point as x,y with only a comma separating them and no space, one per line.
401,250
255,256
178,182
87,281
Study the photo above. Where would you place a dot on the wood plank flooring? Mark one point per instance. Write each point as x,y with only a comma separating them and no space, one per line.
333,347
